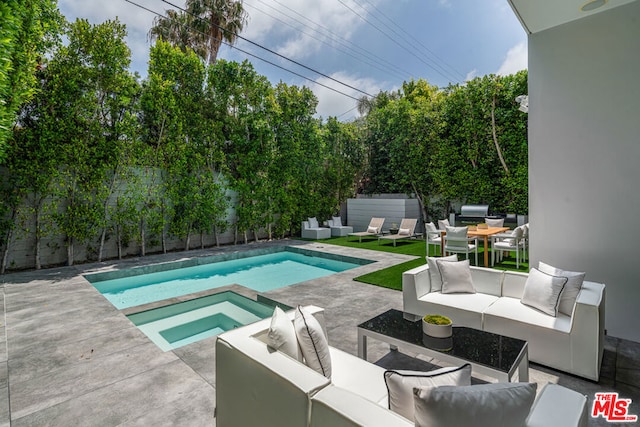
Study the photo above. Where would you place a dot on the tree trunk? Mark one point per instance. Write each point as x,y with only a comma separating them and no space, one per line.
269,232
70,252
143,243
5,252
495,136
119,241
202,240
215,233
38,239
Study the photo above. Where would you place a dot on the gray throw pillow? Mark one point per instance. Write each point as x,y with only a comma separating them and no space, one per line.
434,270
483,405
400,385
456,277
542,291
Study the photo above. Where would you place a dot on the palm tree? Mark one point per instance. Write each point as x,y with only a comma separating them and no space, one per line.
202,26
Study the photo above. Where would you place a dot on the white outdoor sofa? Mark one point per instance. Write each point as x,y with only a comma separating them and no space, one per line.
573,344
256,385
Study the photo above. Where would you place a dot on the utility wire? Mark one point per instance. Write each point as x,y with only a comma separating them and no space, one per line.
252,55
432,53
337,38
394,41
274,52
364,60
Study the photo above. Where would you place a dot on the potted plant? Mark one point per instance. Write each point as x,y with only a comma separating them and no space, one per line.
436,325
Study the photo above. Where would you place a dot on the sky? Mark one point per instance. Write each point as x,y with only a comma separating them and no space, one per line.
355,47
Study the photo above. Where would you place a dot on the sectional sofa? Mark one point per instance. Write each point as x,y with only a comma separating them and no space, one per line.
257,385
571,343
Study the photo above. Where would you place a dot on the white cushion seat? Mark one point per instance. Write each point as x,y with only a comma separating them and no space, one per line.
462,309
358,376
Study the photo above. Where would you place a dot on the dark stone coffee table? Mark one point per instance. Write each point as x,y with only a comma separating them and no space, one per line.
489,354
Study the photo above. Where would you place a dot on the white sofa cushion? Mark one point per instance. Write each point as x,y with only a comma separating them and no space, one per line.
282,335
462,309
499,404
313,342
400,385
313,222
511,310
456,277
434,270
358,376
571,289
542,291
487,280
337,221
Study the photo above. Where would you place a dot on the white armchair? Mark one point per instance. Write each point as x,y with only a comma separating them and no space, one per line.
337,229
312,230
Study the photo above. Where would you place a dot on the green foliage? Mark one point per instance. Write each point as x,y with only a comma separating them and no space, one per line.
28,29
462,144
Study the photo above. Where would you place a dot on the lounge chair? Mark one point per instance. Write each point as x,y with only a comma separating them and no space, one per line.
405,231
373,230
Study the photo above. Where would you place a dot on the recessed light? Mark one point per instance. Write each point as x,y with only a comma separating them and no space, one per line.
592,5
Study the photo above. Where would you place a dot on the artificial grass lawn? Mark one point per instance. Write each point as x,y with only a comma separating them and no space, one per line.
391,277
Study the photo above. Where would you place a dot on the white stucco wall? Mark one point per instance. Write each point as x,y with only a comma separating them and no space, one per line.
584,155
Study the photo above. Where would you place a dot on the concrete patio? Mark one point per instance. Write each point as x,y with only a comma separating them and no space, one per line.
73,358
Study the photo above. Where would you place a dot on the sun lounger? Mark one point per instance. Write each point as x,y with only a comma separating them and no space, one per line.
405,231
373,230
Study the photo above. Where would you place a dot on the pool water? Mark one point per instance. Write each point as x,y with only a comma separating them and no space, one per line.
260,273
184,323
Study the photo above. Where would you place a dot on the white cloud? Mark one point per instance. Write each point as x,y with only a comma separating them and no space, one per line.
331,103
471,75
516,60
323,18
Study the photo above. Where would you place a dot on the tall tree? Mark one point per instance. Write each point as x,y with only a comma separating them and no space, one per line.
202,26
28,29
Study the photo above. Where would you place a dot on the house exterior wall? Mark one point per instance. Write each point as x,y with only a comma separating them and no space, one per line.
584,155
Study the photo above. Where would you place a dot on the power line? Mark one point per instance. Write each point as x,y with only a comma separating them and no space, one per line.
274,52
395,41
437,58
252,55
337,39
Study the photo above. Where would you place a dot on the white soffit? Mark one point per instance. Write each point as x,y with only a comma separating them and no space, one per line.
538,15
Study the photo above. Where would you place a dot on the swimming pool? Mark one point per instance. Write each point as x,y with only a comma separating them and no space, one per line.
184,323
257,270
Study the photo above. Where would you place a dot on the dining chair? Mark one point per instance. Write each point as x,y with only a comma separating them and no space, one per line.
433,237
494,222
507,242
443,224
457,240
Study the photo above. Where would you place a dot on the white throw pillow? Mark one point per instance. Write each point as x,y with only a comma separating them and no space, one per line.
542,291
313,223
337,221
282,335
430,226
482,405
404,231
434,270
443,224
313,342
400,385
571,289
373,230
456,277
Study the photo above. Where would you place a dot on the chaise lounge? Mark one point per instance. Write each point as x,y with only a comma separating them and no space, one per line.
373,230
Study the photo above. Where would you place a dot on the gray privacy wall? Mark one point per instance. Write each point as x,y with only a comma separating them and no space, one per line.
584,155
361,210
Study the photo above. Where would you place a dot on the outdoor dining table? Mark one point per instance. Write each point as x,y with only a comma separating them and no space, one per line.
482,232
